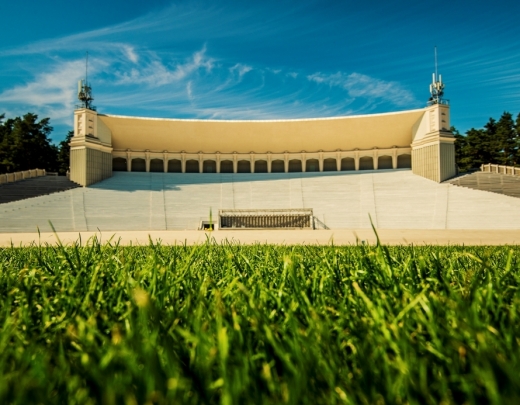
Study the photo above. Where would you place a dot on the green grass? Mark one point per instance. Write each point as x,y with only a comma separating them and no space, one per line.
261,324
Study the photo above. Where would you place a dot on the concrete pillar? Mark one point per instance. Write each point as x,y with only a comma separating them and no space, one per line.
304,162
201,163
235,163
183,162
286,162
147,160
269,157
252,161
338,161
165,162
375,159
128,161
217,162
356,160
321,162
394,159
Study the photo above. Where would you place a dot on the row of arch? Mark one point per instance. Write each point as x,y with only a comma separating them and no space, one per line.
260,166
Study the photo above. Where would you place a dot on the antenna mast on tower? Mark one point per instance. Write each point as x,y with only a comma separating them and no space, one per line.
85,90
436,87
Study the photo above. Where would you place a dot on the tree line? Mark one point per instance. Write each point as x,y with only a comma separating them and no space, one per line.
25,145
498,142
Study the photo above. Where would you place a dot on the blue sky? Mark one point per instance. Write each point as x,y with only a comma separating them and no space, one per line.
262,60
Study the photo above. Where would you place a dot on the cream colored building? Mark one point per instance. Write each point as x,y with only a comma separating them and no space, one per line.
419,139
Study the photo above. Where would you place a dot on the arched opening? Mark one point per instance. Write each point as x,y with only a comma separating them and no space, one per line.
138,165
244,166
366,163
174,166
226,166
295,166
312,165
209,166
192,166
348,164
329,165
260,166
119,165
384,162
156,165
404,162
277,166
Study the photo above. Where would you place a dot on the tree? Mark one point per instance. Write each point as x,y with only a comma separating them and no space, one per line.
64,154
24,144
506,140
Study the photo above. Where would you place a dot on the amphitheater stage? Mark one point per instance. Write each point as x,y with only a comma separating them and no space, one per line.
395,200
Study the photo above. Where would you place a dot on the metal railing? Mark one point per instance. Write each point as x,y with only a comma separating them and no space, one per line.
500,169
266,219
17,176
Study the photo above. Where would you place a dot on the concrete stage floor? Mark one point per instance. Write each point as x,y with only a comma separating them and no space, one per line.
285,237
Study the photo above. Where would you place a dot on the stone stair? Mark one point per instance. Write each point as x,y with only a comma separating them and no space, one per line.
34,187
494,182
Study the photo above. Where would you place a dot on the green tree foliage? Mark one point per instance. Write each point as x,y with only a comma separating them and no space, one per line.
25,144
497,143
64,154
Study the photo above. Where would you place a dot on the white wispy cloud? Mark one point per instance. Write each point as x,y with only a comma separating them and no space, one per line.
51,93
155,72
358,85
130,53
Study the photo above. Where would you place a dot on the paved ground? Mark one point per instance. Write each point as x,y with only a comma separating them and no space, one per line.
289,237
394,199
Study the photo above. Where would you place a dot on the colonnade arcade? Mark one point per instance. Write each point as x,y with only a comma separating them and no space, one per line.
183,162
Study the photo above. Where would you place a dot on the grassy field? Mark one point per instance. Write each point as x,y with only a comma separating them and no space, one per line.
259,324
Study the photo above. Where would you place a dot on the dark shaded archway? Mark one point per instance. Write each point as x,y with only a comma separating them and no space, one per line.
192,166
348,164
384,162
404,162
226,166
174,166
209,166
138,165
156,165
329,165
260,166
295,166
366,163
312,165
244,166
277,166
119,164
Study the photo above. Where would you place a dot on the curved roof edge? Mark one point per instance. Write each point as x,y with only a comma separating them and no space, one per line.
278,120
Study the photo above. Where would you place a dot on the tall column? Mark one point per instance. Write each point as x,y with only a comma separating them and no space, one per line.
375,159
217,162
252,160
165,162
356,160
201,163
183,162
321,161
147,160
235,163
304,162
286,162
338,161
394,159
269,157
128,160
